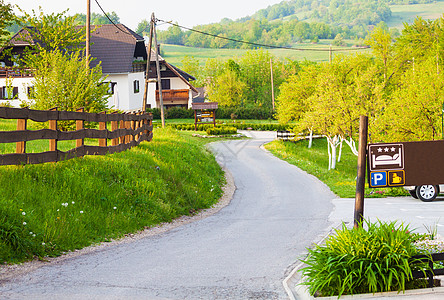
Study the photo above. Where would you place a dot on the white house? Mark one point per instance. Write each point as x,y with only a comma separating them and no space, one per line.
123,57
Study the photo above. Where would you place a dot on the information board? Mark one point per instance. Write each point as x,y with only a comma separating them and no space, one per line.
408,163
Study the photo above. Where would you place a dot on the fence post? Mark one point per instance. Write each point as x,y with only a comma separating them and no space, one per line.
102,127
114,126
122,125
21,146
53,126
133,127
127,137
80,126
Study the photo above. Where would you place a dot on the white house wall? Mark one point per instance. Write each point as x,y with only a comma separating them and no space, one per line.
124,97
22,84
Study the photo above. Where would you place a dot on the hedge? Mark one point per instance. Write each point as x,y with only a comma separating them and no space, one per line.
239,126
221,130
254,113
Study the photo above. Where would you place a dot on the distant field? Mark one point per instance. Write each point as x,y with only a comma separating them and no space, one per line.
408,13
174,54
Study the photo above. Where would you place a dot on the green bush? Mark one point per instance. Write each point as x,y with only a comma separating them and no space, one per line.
239,126
251,113
221,130
361,260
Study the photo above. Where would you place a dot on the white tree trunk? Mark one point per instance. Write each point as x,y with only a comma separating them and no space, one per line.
310,139
351,143
340,149
333,144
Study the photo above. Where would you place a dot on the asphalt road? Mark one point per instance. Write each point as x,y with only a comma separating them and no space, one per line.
244,251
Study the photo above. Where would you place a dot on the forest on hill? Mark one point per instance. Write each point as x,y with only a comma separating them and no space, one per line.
289,22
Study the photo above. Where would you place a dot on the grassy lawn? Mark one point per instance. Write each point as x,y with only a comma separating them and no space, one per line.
342,180
408,13
174,53
50,208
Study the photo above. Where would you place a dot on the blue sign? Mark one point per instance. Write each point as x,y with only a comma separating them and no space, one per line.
378,179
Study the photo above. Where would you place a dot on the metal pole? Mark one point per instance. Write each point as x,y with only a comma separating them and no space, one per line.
360,181
159,80
148,62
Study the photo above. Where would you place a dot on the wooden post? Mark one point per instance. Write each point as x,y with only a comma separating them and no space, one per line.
214,118
148,62
360,181
88,31
159,80
21,146
102,127
133,127
114,127
122,125
272,83
195,120
53,126
79,126
127,137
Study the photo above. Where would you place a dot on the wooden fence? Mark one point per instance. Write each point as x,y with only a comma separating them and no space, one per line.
433,271
127,130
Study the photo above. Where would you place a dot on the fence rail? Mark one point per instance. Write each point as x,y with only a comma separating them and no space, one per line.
430,260
127,130
6,72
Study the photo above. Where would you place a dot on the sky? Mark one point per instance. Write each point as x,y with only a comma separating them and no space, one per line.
131,12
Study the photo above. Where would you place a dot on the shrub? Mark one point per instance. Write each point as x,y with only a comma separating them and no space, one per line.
357,261
221,130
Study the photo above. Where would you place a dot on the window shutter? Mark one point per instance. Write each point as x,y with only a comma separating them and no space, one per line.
15,92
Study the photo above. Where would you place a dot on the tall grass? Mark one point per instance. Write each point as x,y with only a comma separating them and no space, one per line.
55,207
362,260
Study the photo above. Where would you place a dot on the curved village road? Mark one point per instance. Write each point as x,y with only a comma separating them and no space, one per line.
242,252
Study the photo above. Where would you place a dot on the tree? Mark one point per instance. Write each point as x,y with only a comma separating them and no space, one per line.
414,110
227,89
63,80
6,18
51,32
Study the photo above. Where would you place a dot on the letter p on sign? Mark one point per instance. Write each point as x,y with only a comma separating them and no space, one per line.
378,179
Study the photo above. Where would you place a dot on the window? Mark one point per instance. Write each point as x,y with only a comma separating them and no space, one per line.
166,84
136,86
4,92
30,92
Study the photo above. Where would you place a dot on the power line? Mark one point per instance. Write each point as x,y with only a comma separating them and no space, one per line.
109,19
258,44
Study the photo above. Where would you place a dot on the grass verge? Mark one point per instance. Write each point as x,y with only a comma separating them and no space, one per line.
342,180
51,208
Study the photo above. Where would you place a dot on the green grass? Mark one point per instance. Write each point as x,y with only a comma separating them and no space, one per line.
408,13
342,180
174,54
55,207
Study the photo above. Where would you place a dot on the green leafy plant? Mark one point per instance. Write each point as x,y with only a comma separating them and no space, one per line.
362,260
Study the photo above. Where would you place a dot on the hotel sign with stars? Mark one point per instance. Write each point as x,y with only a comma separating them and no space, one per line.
409,163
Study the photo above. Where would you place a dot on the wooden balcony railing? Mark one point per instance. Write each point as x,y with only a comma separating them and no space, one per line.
174,95
6,72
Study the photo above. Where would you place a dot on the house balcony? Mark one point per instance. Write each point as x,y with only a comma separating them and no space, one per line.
174,97
8,72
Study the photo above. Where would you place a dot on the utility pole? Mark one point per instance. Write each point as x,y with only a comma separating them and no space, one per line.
159,77
330,54
148,62
272,82
88,30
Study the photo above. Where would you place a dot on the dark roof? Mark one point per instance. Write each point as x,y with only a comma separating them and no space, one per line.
116,48
205,105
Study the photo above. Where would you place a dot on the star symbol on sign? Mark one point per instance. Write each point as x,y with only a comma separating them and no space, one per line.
379,150
386,149
393,149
